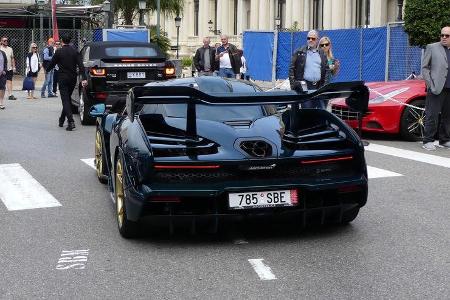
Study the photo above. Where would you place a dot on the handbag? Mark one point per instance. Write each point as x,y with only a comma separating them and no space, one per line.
28,84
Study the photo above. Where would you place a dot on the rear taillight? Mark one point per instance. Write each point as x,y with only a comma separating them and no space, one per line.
349,189
168,167
98,72
169,71
326,160
101,96
165,199
134,60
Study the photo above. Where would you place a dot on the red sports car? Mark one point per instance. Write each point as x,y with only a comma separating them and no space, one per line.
395,107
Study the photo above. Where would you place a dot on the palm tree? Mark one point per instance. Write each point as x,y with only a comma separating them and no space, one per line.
129,8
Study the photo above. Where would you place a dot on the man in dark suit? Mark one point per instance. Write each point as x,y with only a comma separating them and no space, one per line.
67,59
436,72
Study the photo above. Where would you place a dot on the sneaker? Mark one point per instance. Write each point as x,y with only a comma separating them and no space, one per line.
429,146
2,107
445,145
52,96
12,97
43,96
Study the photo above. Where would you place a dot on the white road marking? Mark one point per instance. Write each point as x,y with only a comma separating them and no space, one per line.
373,172
412,155
73,259
19,190
89,162
264,272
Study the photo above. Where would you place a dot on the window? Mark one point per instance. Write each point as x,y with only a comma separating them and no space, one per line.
131,52
196,10
362,13
317,14
235,16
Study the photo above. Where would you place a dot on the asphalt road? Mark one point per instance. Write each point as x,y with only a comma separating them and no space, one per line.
397,248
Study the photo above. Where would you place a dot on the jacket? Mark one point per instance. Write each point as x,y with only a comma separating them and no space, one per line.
297,67
67,59
434,67
235,58
5,63
199,58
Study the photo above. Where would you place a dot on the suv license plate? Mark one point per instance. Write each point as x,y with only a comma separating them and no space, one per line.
262,199
134,75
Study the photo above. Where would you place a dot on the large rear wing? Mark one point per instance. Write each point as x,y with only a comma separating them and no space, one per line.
355,93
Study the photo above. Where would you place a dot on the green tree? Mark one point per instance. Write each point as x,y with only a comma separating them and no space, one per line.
424,20
129,8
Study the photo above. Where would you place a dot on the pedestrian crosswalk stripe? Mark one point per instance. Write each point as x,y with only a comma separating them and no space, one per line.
89,162
412,155
19,190
372,172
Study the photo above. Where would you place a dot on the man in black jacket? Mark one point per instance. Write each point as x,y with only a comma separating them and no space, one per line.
67,59
309,66
204,59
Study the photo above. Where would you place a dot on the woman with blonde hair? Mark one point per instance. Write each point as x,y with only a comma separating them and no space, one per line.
33,67
333,63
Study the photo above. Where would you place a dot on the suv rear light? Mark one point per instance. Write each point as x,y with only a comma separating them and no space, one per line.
98,72
169,71
101,96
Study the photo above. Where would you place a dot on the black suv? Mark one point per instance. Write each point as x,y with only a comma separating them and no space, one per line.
113,68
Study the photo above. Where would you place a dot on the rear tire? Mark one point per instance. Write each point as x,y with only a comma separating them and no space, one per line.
412,121
127,229
99,160
84,107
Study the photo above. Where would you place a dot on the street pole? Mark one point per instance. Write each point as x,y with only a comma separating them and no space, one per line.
178,36
158,12
41,27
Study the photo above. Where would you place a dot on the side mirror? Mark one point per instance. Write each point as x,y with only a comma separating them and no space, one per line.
97,110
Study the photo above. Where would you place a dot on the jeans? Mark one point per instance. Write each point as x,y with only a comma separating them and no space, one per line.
227,73
48,83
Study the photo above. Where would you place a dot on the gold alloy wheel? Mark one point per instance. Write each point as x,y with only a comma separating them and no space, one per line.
119,194
98,154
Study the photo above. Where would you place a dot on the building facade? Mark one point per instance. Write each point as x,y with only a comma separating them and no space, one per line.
232,17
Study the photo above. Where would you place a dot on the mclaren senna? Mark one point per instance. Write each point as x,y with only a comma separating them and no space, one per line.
214,148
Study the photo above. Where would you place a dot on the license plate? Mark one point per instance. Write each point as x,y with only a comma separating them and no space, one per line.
134,75
263,199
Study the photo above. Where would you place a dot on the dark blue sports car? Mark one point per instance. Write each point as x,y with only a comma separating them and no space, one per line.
208,147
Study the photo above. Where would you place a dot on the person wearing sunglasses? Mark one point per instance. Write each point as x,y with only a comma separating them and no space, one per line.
11,63
308,69
33,66
333,63
436,72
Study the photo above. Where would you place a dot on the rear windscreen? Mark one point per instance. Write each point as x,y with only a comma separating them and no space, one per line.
208,112
131,52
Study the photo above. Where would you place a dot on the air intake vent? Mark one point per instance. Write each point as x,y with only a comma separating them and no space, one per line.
239,123
256,148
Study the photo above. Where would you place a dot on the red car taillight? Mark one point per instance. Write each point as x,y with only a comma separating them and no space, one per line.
98,72
326,160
